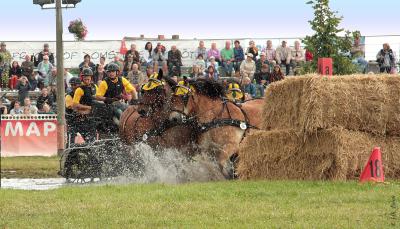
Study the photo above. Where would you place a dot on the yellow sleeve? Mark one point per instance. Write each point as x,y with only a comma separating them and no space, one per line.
78,95
127,85
101,91
68,101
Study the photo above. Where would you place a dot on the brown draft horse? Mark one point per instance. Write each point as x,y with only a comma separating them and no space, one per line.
222,124
149,121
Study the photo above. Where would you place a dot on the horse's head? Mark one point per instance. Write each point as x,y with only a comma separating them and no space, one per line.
187,98
133,127
155,95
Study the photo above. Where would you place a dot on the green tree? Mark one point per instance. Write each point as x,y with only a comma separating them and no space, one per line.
326,42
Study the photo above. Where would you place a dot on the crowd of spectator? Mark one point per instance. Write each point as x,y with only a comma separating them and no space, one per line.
252,68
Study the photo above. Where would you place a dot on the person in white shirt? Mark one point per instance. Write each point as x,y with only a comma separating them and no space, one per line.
283,56
297,57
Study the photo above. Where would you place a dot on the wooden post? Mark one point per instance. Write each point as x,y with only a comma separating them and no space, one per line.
60,81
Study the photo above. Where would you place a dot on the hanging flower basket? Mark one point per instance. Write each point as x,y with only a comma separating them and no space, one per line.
77,28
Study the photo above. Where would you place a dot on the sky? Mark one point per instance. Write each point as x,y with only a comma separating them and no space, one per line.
112,20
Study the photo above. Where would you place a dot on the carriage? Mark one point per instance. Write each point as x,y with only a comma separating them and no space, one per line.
105,157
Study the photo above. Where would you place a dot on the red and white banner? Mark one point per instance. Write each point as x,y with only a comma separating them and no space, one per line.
28,135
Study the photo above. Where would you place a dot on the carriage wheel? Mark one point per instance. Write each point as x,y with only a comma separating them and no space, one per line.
80,166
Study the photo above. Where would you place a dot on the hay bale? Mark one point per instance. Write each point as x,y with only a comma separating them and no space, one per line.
310,103
332,154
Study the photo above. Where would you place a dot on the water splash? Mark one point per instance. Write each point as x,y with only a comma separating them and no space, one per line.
142,165
170,166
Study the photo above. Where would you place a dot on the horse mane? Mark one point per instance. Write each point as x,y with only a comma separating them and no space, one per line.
209,88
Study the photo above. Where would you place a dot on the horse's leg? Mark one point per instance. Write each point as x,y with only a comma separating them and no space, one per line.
230,145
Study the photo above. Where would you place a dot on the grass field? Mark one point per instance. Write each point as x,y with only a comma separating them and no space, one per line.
29,167
231,204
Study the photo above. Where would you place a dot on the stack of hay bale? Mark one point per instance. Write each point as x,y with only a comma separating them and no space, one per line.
325,128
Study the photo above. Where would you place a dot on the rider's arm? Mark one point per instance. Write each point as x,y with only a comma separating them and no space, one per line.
69,101
76,100
129,88
101,91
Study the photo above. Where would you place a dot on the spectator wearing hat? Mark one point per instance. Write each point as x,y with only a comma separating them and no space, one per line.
174,60
253,50
283,56
297,57
238,55
44,71
248,67
214,52
45,52
262,61
227,57
5,60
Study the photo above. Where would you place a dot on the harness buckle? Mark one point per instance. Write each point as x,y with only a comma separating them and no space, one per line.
243,125
144,137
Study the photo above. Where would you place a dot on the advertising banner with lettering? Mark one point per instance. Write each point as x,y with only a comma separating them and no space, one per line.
75,51
33,135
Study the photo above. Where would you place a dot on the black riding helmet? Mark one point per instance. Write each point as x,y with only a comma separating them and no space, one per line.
112,67
87,72
75,81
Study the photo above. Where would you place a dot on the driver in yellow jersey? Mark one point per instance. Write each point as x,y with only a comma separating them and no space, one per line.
85,94
112,88
84,98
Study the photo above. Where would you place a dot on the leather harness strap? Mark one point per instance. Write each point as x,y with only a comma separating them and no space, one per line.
204,127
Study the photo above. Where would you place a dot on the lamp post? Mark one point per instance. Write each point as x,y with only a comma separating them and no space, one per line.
60,81
60,69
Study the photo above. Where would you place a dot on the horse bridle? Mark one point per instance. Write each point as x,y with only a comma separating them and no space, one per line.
151,106
219,122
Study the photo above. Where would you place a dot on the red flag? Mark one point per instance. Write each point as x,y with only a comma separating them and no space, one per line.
373,170
123,48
